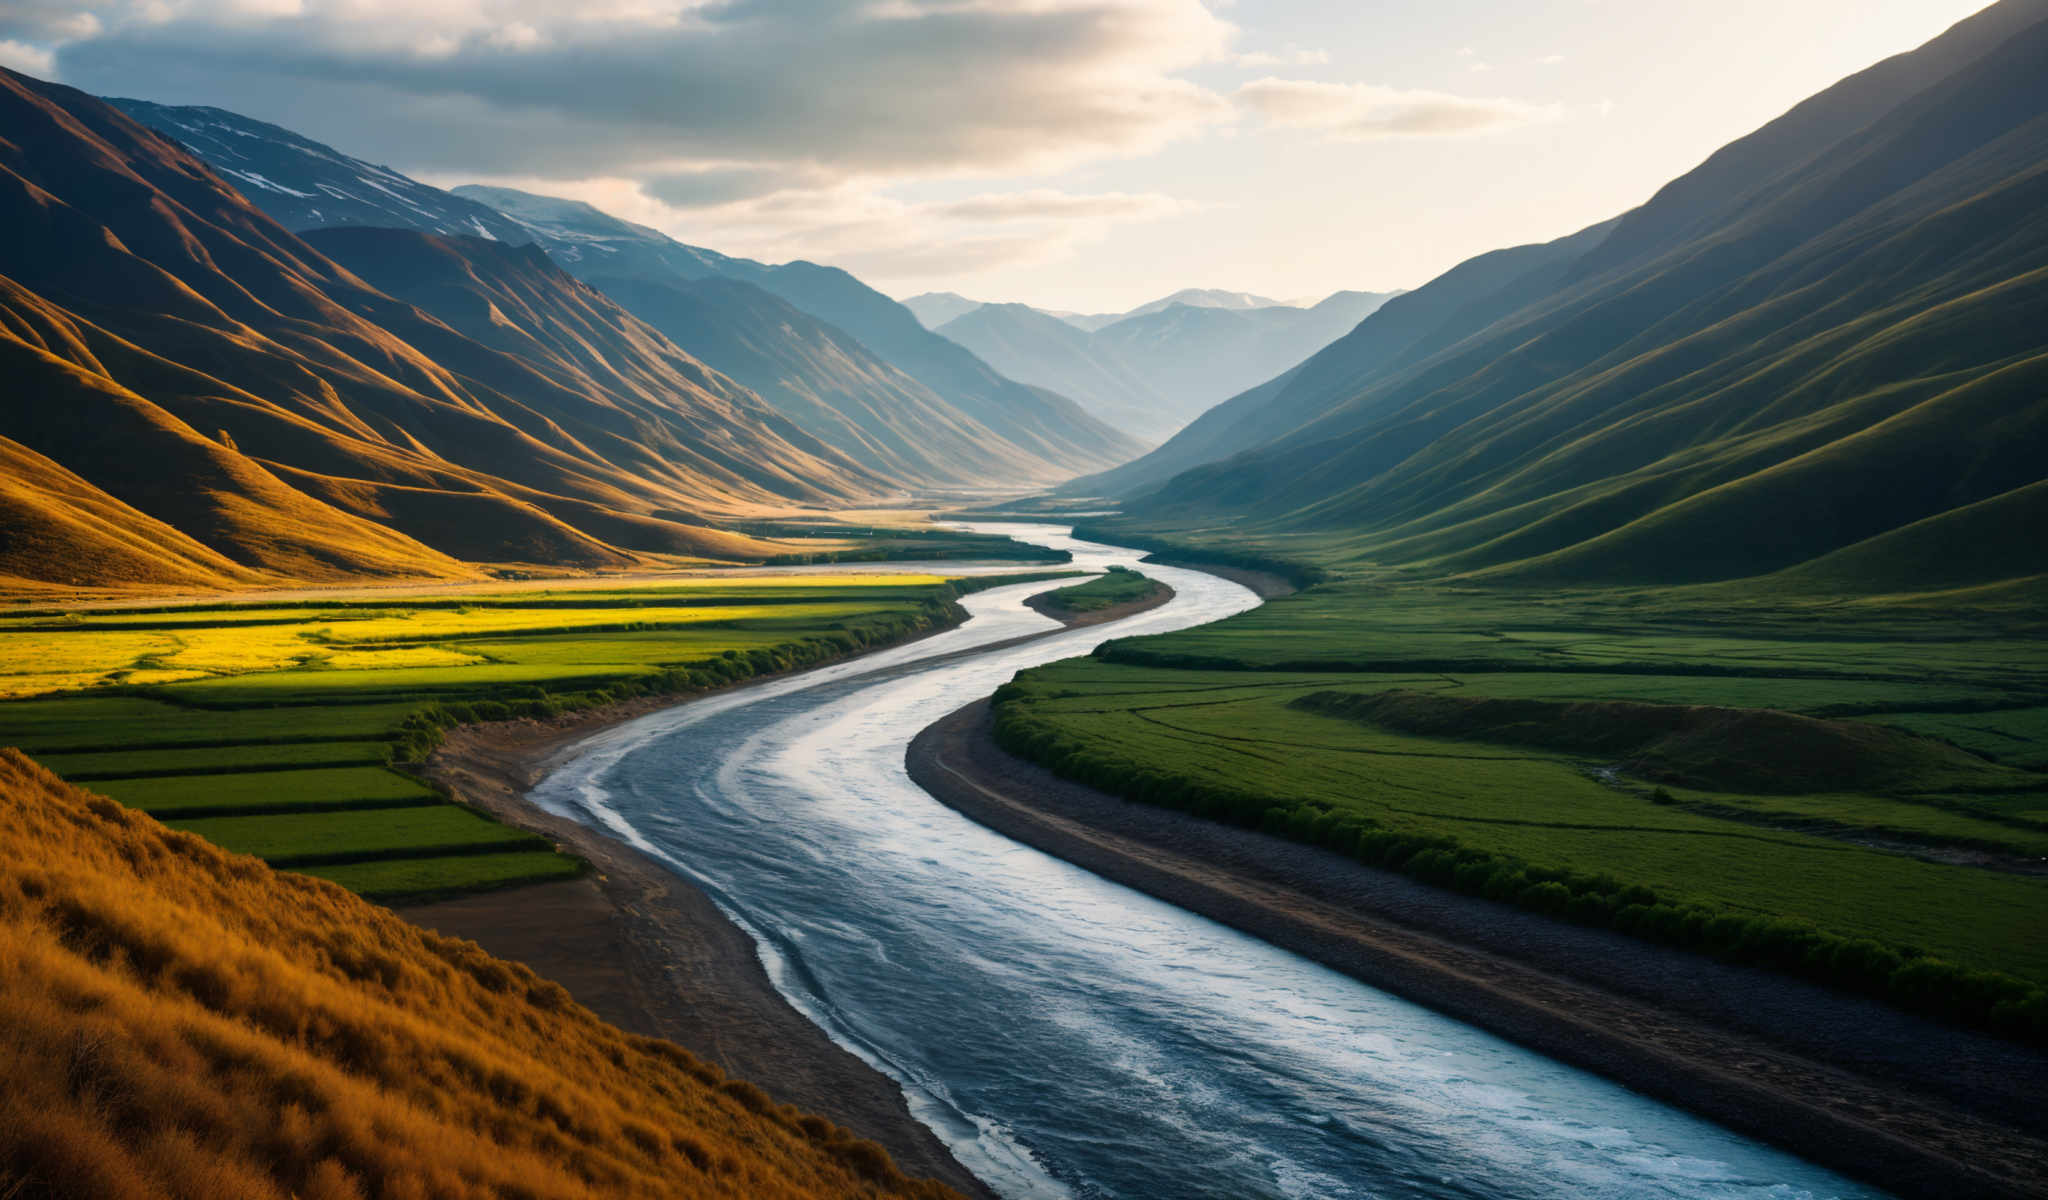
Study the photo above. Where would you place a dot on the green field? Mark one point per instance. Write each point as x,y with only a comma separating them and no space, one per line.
274,729
1119,585
1603,756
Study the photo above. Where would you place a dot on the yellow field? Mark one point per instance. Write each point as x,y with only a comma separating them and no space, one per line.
44,655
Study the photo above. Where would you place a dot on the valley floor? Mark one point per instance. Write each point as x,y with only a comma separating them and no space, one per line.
1922,1109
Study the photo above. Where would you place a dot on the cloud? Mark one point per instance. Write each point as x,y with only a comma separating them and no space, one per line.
1365,112
1051,204
1290,57
645,87
20,56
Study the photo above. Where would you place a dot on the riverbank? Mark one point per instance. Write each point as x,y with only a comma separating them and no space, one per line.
650,953
1917,1108
646,951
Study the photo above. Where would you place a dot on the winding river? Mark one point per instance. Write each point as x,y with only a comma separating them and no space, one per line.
1067,1036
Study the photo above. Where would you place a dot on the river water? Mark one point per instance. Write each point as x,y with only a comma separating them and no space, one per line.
1065,1035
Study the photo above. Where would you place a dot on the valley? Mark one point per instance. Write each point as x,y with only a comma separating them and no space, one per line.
501,699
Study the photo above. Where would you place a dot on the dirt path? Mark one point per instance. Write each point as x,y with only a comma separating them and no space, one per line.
1917,1108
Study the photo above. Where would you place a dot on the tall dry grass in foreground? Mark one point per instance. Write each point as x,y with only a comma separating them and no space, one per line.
179,1021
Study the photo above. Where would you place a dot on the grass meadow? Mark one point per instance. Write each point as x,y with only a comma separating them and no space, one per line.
274,729
1806,779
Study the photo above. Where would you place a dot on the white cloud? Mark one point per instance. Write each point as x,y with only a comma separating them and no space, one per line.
1551,60
907,87
29,60
1290,57
1364,111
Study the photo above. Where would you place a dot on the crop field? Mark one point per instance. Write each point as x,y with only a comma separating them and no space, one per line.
273,729
1934,852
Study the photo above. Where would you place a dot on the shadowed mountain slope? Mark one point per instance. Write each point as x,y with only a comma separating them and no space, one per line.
1851,346
178,350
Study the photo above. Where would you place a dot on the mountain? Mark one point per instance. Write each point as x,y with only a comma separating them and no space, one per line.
1462,300
1032,347
934,309
1154,372
833,387
175,353
1191,297
1831,334
303,184
1057,435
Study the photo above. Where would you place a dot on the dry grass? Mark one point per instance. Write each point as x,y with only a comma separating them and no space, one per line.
178,1021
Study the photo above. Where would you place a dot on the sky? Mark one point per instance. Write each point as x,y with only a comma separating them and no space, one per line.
1074,154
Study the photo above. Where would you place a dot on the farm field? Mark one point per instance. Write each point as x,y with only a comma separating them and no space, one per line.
274,728
1881,783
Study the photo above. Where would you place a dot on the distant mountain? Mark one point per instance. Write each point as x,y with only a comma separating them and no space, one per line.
934,309
1056,436
198,397
1191,297
1154,372
1029,346
1824,349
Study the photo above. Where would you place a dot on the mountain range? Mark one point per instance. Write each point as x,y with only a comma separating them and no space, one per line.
847,364
200,397
1157,367
1822,354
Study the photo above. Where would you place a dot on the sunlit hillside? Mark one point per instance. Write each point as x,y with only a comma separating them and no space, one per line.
179,1021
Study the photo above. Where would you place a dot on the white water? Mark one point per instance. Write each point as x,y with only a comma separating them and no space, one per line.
1067,1036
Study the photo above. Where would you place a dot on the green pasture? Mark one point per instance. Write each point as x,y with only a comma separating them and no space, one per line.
1946,866
273,729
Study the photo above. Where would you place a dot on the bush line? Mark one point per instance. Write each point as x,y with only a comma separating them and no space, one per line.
1989,1000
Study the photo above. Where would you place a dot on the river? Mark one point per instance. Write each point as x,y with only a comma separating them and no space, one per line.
1067,1036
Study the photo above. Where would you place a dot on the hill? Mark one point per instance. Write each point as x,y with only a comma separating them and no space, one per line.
185,1022
1055,433
179,354
1766,364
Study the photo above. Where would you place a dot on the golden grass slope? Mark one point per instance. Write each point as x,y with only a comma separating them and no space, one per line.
168,344
176,1021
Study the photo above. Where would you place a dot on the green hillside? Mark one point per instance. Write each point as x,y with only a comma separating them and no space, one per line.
1753,371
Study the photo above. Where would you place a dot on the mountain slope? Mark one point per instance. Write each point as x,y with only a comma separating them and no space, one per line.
1029,346
186,1022
823,379
303,184
1050,428
181,352
936,308
1853,348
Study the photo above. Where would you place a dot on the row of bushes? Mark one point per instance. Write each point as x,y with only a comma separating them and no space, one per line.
1300,574
1987,1000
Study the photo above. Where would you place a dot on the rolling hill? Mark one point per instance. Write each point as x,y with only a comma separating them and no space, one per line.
1832,331
175,352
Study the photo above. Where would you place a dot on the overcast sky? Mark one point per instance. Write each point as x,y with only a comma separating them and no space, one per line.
1084,154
